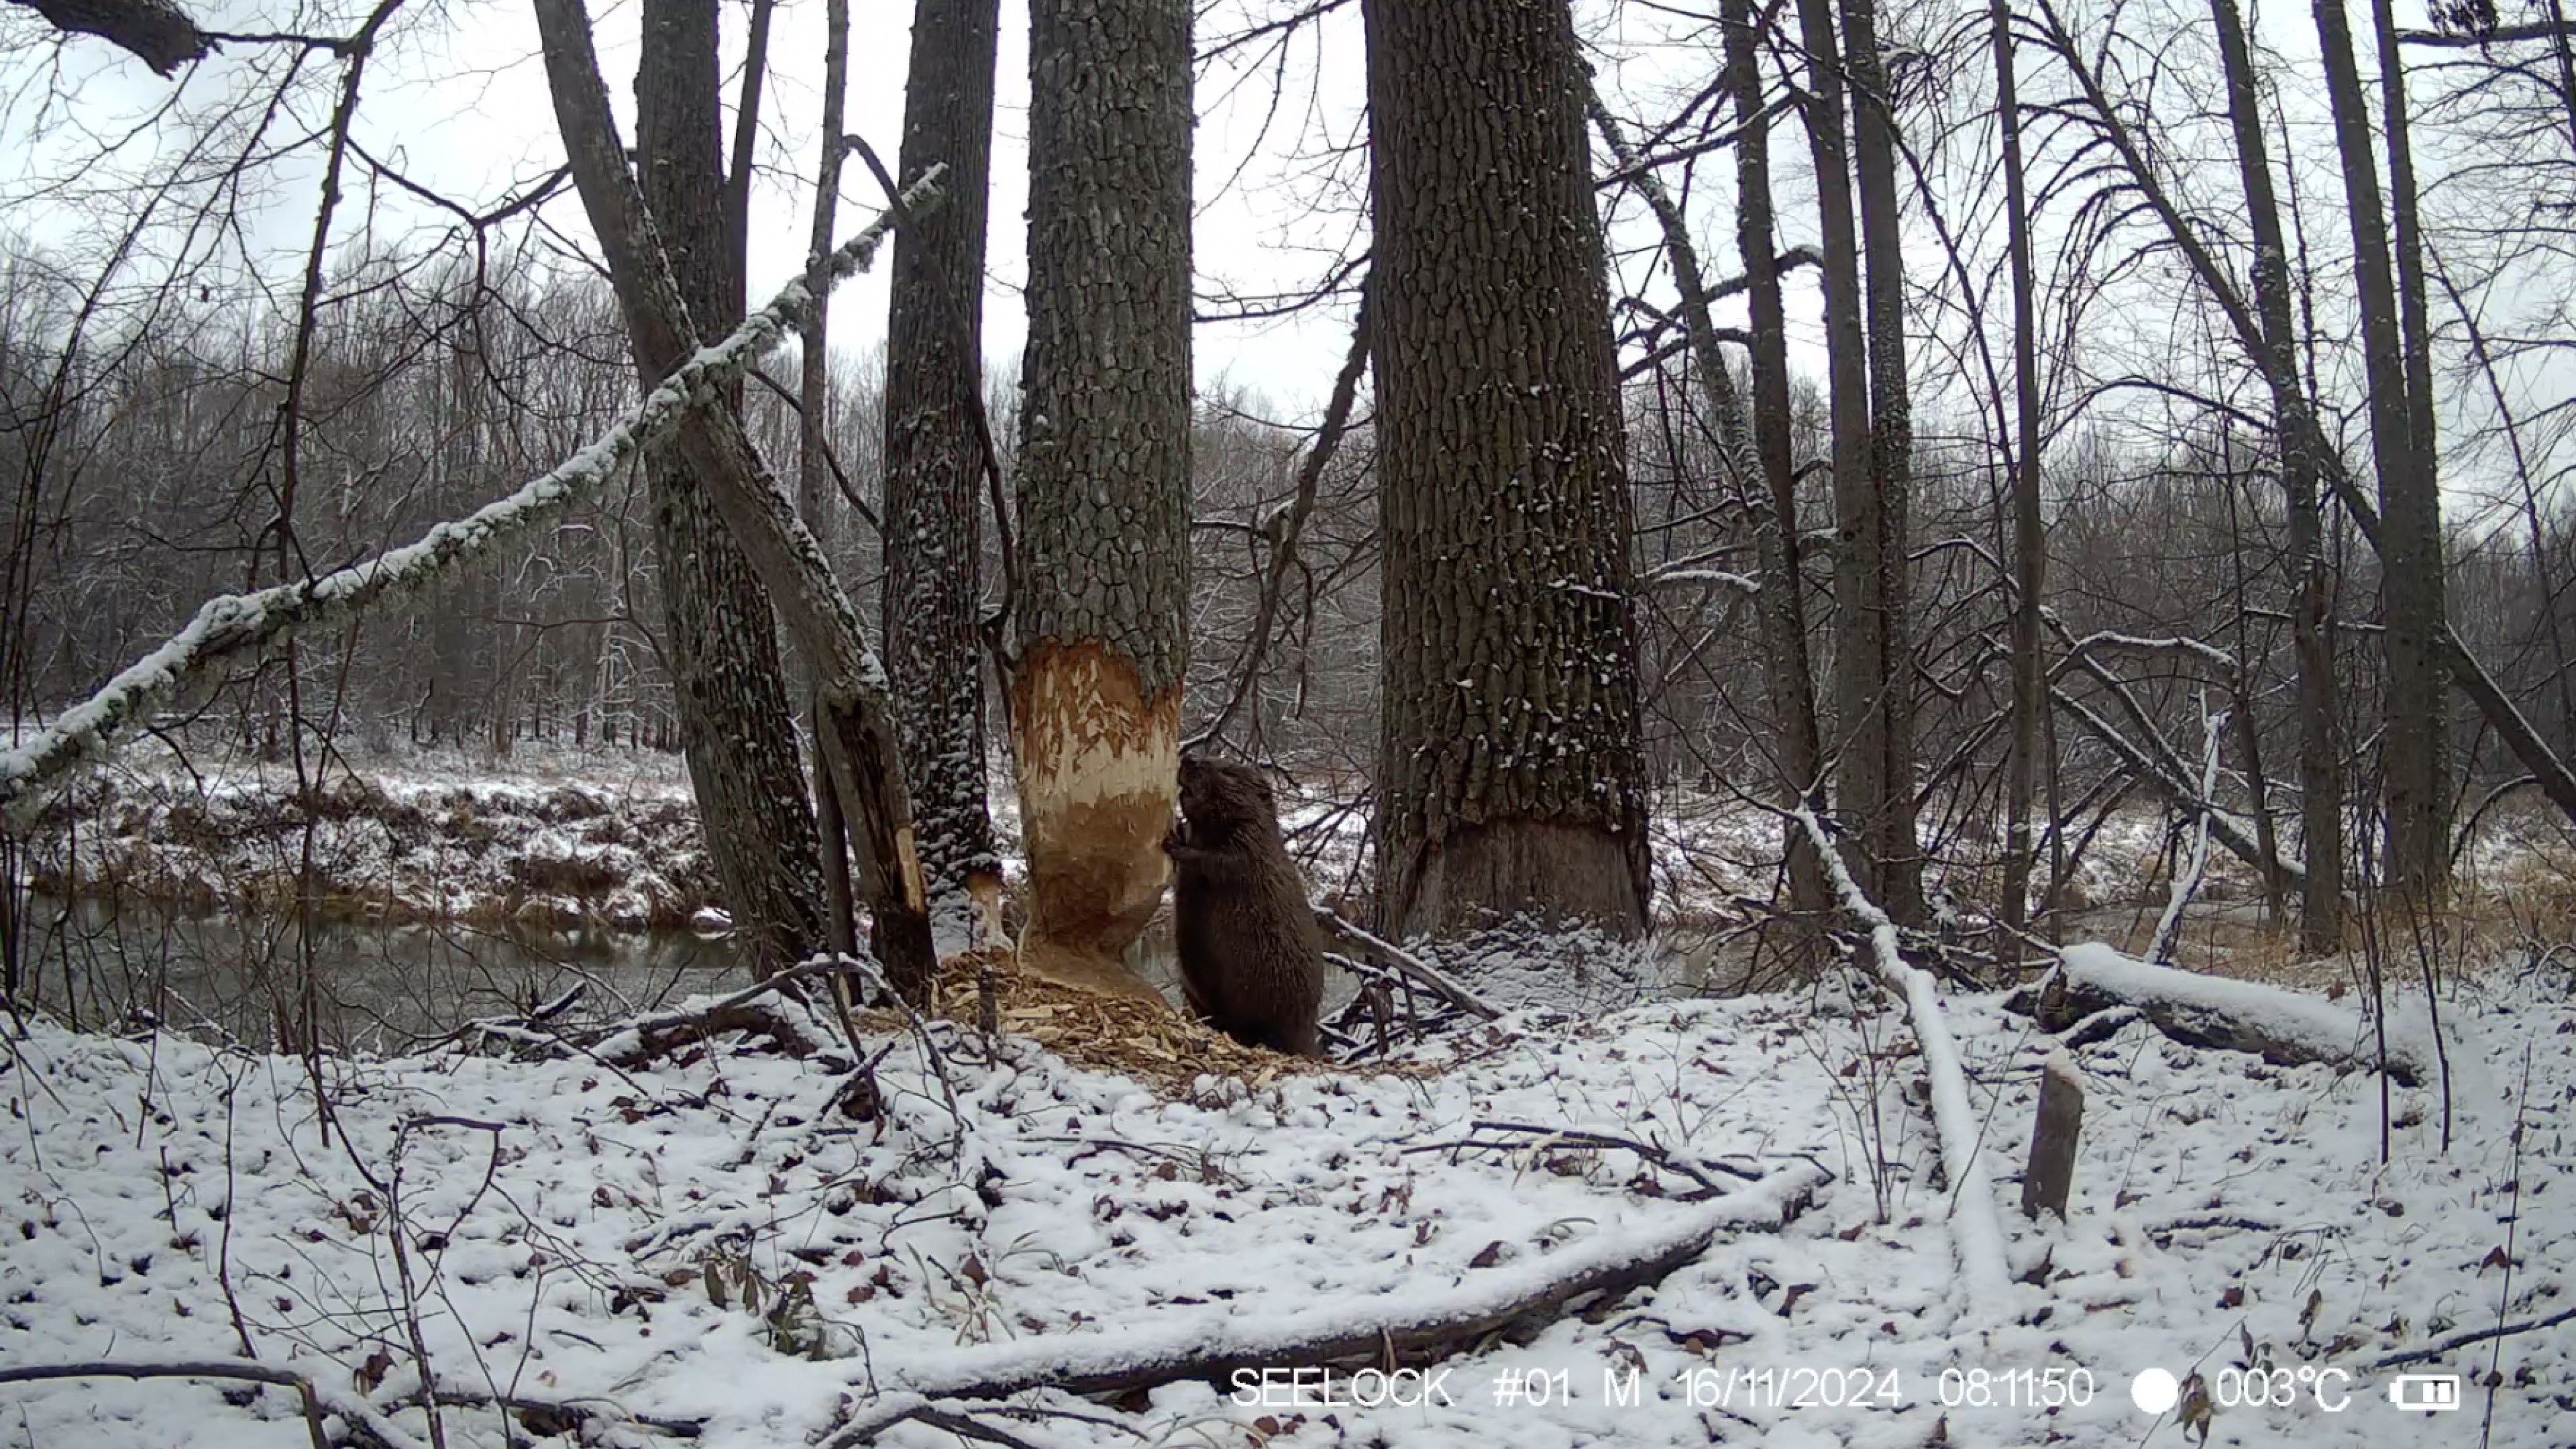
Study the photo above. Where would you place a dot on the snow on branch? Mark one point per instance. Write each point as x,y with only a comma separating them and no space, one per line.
1142,1354
2217,658
232,626
1676,578
1975,1232
2283,1027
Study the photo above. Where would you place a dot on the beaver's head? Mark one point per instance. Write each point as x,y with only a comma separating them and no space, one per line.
1218,795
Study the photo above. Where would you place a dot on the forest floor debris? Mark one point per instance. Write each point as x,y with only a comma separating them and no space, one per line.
737,1245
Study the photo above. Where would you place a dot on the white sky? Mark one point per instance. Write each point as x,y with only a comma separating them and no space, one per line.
458,100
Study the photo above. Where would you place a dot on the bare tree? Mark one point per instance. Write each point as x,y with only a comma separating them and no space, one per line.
935,447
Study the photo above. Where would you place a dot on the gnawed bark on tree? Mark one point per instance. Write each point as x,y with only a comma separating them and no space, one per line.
728,684
1510,763
934,451
1104,479
858,744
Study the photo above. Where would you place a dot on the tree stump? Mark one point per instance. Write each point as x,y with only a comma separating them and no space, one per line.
2050,1178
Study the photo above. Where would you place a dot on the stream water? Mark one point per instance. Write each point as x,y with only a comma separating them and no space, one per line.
106,963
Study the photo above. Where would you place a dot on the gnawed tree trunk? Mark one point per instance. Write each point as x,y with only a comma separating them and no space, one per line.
2295,432
1510,770
1104,480
735,721
2413,744
934,450
1876,516
857,733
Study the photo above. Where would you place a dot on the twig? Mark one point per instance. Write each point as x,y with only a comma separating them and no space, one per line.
317,1398
1439,982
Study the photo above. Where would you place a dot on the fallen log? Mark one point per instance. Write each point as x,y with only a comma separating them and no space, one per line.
2285,1028
1413,1325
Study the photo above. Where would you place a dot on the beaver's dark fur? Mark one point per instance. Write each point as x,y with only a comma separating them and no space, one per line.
1252,964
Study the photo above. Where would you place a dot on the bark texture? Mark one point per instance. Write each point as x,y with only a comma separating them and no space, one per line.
157,32
2414,747
1875,660
2030,537
2294,426
1798,748
1104,476
934,448
736,724
1509,760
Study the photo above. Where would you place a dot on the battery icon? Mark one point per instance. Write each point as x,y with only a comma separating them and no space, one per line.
2438,1392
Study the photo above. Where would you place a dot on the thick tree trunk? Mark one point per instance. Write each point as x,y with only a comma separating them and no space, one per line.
2294,429
736,724
1883,822
1510,777
2413,753
1799,746
1104,479
934,450
2030,535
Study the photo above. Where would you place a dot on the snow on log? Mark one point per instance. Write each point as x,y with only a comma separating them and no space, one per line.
231,626
1141,1354
1976,1234
2284,1028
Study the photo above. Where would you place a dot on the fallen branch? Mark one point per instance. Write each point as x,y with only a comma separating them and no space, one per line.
1421,1325
2468,1336
1976,1235
1420,972
1696,1169
2285,1028
318,1398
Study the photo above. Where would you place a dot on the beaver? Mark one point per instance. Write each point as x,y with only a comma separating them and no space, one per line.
1252,965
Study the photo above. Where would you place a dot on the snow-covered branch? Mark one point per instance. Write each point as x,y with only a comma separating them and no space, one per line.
236,626
2186,882
1975,1233
1678,578
1208,1345
2282,1027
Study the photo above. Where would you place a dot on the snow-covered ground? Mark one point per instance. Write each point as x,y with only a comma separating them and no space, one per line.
567,1229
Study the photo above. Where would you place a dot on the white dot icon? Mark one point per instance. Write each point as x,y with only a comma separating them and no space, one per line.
2155,1391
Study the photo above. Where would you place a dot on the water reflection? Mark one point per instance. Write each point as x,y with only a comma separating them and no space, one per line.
104,963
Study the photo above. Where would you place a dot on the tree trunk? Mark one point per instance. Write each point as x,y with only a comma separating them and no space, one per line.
1104,481
736,724
1799,746
2294,429
1885,823
2412,749
2425,864
1859,727
2030,536
1510,769
934,450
